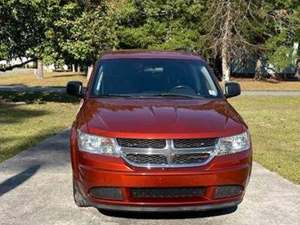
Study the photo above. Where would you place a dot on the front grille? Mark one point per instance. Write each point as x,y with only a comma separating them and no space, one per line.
147,159
167,153
141,143
194,143
167,192
191,158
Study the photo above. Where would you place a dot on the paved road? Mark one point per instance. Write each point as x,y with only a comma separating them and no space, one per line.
35,189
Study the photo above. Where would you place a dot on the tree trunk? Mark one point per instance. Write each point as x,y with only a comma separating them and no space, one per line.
258,72
90,71
296,60
40,69
73,68
225,46
225,64
295,51
297,75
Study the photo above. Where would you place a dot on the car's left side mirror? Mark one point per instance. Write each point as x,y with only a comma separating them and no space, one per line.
232,89
75,88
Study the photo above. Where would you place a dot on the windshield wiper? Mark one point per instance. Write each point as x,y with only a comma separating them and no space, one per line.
169,94
115,96
166,94
125,96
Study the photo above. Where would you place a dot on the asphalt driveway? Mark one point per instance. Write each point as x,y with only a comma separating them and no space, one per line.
35,189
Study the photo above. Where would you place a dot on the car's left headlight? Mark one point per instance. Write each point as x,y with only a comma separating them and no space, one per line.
233,144
97,144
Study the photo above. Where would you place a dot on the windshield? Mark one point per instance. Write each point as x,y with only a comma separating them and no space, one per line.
154,78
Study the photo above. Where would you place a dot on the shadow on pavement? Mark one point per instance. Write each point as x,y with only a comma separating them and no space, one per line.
168,215
15,181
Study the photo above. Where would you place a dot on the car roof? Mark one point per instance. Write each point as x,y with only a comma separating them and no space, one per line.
150,54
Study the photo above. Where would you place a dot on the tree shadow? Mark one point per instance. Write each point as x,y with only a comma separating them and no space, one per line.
37,97
13,85
23,87
10,113
168,215
13,182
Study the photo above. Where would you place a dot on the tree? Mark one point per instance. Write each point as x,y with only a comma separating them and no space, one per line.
21,30
80,31
220,30
223,31
282,47
56,31
163,24
60,20
93,32
233,29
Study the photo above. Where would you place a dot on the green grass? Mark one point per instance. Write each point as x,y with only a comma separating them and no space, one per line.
268,85
24,125
50,79
274,124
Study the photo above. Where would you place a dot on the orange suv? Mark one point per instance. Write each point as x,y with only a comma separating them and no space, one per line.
155,132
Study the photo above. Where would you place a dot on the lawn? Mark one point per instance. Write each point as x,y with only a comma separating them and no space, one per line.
24,125
27,78
274,123
268,85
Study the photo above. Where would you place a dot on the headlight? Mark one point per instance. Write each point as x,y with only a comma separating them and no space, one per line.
233,144
96,144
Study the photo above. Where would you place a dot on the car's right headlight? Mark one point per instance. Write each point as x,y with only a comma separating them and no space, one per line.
97,144
233,144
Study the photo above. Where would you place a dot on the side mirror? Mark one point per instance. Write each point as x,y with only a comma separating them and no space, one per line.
232,89
75,88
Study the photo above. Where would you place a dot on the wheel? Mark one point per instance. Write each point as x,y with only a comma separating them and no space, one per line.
78,198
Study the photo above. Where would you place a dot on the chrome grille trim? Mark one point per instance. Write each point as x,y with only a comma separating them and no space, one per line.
170,152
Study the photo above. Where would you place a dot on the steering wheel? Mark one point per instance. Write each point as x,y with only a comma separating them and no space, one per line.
184,89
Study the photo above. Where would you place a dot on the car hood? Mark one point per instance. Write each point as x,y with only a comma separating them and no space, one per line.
159,118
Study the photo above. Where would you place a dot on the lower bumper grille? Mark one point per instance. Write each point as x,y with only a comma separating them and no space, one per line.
162,193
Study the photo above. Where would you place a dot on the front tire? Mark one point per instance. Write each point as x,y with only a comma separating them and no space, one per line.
78,197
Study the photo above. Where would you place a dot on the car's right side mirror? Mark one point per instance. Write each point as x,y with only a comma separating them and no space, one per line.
232,89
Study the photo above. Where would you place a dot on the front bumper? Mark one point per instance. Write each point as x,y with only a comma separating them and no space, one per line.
95,171
204,207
